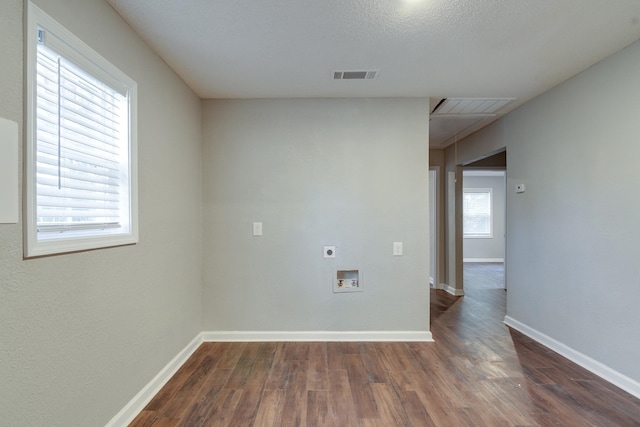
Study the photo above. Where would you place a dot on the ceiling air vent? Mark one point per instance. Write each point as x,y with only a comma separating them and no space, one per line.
355,74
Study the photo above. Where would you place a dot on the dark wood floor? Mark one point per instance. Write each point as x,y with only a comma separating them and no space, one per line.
477,373
483,275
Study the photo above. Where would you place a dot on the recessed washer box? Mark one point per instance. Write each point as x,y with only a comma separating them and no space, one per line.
347,281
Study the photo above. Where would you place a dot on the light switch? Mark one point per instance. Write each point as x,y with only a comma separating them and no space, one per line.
397,249
257,229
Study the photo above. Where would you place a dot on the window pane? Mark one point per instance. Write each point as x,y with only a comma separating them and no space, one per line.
477,213
79,182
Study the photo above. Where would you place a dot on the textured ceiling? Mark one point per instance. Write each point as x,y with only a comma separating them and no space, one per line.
429,48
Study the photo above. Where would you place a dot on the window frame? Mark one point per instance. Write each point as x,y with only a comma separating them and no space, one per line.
93,63
488,235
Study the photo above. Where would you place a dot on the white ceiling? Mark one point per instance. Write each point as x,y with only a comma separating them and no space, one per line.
422,48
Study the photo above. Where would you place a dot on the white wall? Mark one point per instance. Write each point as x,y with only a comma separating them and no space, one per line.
346,172
82,333
572,247
488,248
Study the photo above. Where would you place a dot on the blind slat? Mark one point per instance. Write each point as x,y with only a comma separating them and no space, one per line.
91,215
78,189
49,167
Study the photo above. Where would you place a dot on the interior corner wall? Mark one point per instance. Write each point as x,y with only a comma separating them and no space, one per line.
346,172
572,235
82,333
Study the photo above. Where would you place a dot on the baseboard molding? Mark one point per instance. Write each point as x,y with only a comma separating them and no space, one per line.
453,291
614,377
270,336
140,400
483,260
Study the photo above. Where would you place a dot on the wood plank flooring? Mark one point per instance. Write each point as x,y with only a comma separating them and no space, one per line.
477,373
483,275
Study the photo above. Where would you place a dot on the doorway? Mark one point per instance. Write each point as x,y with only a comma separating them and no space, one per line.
484,228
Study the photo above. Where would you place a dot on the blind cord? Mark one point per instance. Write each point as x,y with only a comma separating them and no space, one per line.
59,130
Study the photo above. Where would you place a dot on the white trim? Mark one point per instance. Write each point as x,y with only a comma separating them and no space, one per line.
614,377
453,291
483,260
483,172
144,396
271,336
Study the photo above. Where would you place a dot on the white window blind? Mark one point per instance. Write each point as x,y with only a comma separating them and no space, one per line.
476,210
81,155
80,123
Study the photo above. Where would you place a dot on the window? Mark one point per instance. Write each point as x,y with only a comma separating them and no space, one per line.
476,211
80,157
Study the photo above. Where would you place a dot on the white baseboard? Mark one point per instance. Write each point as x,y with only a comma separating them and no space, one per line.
140,400
483,260
453,291
270,336
614,377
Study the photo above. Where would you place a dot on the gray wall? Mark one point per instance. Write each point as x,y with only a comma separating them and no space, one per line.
488,248
346,172
572,236
82,333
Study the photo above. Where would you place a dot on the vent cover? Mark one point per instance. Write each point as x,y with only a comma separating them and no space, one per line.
470,107
355,74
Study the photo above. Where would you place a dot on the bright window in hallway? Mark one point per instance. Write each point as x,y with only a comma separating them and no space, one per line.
476,211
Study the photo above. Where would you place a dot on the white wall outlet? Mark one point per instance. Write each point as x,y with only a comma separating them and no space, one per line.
257,229
397,249
520,188
329,251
